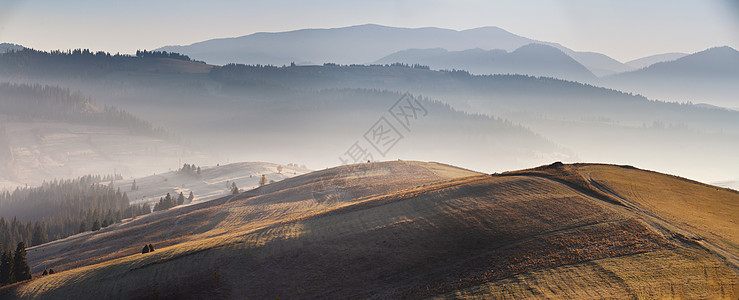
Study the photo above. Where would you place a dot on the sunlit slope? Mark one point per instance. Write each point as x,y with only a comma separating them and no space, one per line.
705,214
392,230
277,202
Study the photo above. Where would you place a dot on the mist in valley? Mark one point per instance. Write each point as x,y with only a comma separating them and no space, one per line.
387,150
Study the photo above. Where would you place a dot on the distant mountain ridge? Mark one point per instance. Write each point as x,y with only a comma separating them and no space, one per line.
367,43
531,59
710,75
653,59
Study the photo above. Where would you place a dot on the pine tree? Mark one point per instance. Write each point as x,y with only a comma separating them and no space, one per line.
83,227
96,225
21,271
134,187
6,267
190,198
234,188
145,249
151,248
39,235
180,199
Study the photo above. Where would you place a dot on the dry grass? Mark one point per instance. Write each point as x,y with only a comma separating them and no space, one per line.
391,230
665,274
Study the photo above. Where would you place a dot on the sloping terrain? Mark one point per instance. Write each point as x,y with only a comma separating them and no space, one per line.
213,182
411,229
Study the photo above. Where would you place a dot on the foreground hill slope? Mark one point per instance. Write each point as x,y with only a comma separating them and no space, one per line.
411,229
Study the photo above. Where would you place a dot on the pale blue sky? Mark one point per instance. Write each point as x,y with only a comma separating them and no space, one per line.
624,30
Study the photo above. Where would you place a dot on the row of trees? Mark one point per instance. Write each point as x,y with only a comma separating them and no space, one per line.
162,54
189,169
13,265
168,202
62,208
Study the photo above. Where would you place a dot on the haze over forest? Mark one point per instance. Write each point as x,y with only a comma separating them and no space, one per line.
280,134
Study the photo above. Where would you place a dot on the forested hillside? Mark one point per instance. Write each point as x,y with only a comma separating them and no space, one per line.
57,209
27,102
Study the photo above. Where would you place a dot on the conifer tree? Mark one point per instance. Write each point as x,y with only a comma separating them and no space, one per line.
96,225
21,271
6,267
145,249
39,235
190,198
180,199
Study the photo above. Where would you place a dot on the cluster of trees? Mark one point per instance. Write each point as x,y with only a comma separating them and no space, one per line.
168,201
190,170
35,101
13,265
62,208
162,54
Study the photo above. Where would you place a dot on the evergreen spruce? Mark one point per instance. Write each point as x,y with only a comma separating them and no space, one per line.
96,225
39,235
21,271
6,267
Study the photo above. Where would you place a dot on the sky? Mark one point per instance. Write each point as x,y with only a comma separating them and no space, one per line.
622,29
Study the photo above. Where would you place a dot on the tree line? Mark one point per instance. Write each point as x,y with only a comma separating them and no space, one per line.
162,54
80,63
58,209
13,265
168,201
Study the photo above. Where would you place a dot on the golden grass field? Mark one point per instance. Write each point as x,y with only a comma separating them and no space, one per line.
416,230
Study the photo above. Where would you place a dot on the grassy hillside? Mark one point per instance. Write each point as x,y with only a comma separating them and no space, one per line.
411,229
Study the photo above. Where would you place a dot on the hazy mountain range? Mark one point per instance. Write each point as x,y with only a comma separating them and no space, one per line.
531,59
644,62
485,50
710,75
368,43
324,109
